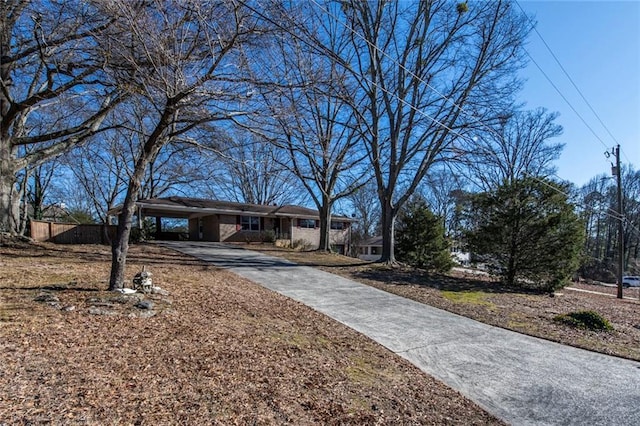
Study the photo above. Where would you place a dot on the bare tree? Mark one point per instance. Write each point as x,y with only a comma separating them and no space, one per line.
517,146
418,65
440,190
98,172
53,93
365,208
600,217
250,172
171,57
631,194
314,114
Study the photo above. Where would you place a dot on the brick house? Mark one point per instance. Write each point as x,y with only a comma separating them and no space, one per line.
225,221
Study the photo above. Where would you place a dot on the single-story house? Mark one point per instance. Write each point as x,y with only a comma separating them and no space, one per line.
225,221
370,249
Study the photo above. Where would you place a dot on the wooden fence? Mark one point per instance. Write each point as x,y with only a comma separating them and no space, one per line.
69,233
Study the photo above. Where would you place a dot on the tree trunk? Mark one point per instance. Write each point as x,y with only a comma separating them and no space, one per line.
9,199
512,265
388,224
120,244
325,225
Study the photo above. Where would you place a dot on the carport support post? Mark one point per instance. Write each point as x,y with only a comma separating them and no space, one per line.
158,227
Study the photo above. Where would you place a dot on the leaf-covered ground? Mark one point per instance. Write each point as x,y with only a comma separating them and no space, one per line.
216,350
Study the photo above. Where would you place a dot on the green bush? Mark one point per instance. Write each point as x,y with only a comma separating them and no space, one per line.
420,238
589,320
528,232
269,236
146,233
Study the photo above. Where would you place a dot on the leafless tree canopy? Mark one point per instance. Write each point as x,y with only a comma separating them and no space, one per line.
311,118
183,62
250,171
53,91
426,71
518,146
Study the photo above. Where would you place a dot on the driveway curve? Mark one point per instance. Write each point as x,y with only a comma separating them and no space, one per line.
520,379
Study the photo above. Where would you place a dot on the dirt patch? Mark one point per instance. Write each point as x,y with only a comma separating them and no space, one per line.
217,350
485,300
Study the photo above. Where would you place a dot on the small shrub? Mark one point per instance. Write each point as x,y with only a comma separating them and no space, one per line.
301,244
589,320
269,236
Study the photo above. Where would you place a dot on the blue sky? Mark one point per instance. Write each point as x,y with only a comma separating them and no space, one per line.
598,44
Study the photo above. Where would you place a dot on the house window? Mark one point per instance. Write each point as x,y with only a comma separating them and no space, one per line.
307,223
250,223
376,250
338,225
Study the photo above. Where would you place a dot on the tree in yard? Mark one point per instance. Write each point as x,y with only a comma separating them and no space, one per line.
598,199
96,178
249,171
366,208
517,146
321,153
53,92
34,185
39,181
426,72
441,189
100,171
527,232
420,238
312,117
170,59
631,200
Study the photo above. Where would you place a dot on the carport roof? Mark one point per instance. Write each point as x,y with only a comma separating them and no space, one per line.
193,207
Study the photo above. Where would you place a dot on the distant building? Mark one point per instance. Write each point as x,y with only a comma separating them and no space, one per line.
370,249
459,256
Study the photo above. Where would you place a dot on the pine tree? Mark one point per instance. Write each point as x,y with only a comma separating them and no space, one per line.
420,239
527,232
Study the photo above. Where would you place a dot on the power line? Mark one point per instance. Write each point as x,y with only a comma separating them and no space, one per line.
575,86
566,100
419,111
460,108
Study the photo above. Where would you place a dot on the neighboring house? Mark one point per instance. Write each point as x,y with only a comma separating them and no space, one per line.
370,249
50,213
212,220
460,256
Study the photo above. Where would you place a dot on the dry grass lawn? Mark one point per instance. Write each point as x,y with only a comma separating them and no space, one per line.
217,350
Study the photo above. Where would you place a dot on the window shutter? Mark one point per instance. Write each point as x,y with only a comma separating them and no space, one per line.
317,224
262,223
238,225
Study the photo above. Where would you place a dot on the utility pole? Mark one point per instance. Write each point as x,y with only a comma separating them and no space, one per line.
618,174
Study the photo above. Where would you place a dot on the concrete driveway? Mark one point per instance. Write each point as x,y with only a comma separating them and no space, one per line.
521,379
